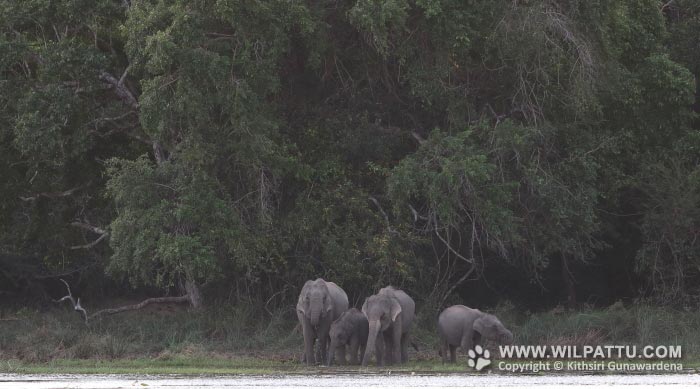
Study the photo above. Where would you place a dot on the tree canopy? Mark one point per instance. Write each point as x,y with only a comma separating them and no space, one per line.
432,144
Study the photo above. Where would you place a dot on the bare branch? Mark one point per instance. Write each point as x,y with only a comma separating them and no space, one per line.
266,192
272,297
123,77
148,301
76,304
88,227
63,274
449,247
53,195
376,202
111,311
122,91
414,212
456,284
386,217
416,215
97,230
158,152
115,118
418,137
90,245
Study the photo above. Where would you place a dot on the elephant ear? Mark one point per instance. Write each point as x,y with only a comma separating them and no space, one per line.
480,325
328,304
302,295
300,307
395,309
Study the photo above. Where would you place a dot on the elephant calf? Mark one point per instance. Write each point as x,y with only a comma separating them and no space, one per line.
349,330
464,327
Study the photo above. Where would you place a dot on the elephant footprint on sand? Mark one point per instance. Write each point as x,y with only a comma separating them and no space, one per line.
320,303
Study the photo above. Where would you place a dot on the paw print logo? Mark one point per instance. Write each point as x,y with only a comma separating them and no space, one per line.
479,358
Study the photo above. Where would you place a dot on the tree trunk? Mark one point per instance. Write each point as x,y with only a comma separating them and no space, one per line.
193,294
696,103
568,283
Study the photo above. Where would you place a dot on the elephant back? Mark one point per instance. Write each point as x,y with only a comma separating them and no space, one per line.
459,312
454,320
339,298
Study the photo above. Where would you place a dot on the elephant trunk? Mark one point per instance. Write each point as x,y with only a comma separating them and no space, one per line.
315,315
507,337
371,341
331,351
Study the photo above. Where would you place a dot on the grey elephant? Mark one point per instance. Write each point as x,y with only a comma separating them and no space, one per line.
320,303
461,326
390,314
350,332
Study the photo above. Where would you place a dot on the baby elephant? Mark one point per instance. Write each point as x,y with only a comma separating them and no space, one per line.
464,327
350,329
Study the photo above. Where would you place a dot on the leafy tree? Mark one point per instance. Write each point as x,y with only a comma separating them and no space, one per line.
253,145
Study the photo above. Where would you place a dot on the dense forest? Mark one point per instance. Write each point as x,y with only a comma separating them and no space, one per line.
542,152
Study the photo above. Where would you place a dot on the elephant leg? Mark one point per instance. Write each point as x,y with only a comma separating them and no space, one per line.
396,337
354,345
443,350
309,337
453,354
405,339
362,352
321,351
340,354
389,347
379,350
467,342
323,340
315,352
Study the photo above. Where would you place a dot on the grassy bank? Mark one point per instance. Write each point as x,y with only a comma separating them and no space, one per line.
199,365
229,340
211,365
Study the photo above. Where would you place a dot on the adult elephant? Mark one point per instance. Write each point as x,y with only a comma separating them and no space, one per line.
390,314
461,326
320,303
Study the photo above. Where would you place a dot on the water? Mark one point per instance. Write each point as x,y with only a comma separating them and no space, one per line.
344,381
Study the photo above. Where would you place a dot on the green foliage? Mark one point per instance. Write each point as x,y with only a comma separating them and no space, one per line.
683,39
262,143
670,227
491,185
458,185
378,19
170,216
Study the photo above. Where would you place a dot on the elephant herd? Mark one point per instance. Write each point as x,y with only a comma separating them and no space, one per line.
382,327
